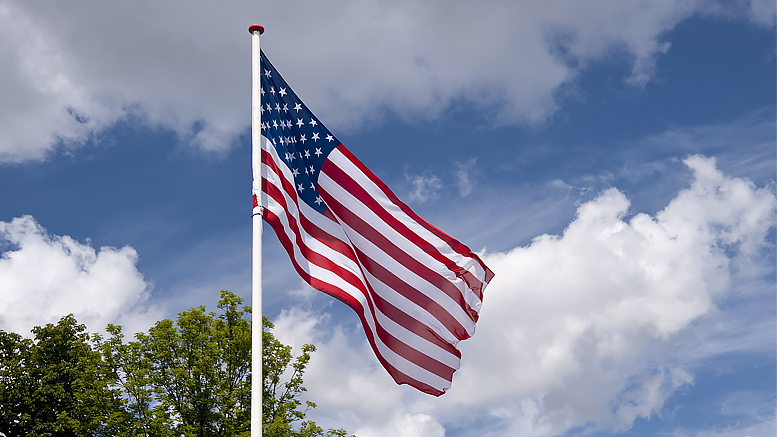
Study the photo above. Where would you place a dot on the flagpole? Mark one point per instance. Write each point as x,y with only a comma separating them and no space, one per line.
256,259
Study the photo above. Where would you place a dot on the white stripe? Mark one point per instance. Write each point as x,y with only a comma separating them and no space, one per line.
416,282
398,362
411,248
347,166
403,365
417,342
367,214
312,243
410,308
412,340
406,245
388,262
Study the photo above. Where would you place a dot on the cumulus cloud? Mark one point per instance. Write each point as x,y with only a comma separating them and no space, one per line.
69,72
579,330
44,277
405,425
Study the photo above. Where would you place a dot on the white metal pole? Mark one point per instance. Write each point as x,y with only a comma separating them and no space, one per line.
256,261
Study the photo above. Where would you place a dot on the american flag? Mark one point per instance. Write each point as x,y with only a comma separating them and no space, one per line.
417,291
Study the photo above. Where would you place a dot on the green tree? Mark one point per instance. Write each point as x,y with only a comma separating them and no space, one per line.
280,400
188,377
55,384
192,377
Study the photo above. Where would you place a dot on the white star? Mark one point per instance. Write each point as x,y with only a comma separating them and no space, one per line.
268,107
306,171
287,156
297,107
282,92
282,143
330,138
288,124
292,157
302,138
312,170
275,124
261,109
307,153
261,90
318,152
285,107
312,187
319,200
272,90
313,123
300,155
267,72
300,123
277,107
315,136
300,188
273,142
294,172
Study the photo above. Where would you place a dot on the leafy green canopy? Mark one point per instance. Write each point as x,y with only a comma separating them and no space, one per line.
191,377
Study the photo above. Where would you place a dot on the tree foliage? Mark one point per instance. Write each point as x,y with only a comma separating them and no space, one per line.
188,377
54,384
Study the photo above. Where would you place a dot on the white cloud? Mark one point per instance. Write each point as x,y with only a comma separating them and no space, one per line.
589,330
762,428
425,187
70,71
466,184
45,277
405,425
44,101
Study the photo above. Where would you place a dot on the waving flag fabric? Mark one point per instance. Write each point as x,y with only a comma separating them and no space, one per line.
417,291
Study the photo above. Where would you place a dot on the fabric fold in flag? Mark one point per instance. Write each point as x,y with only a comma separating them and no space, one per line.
416,290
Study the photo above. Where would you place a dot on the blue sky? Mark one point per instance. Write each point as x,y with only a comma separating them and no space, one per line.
613,162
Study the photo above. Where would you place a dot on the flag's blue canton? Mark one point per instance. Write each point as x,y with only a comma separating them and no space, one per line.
301,141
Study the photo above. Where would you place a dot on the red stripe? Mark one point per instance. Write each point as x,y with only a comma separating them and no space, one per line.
357,190
314,231
411,324
327,239
310,255
412,264
386,308
374,299
453,243
332,290
336,244
413,355
268,160
413,295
